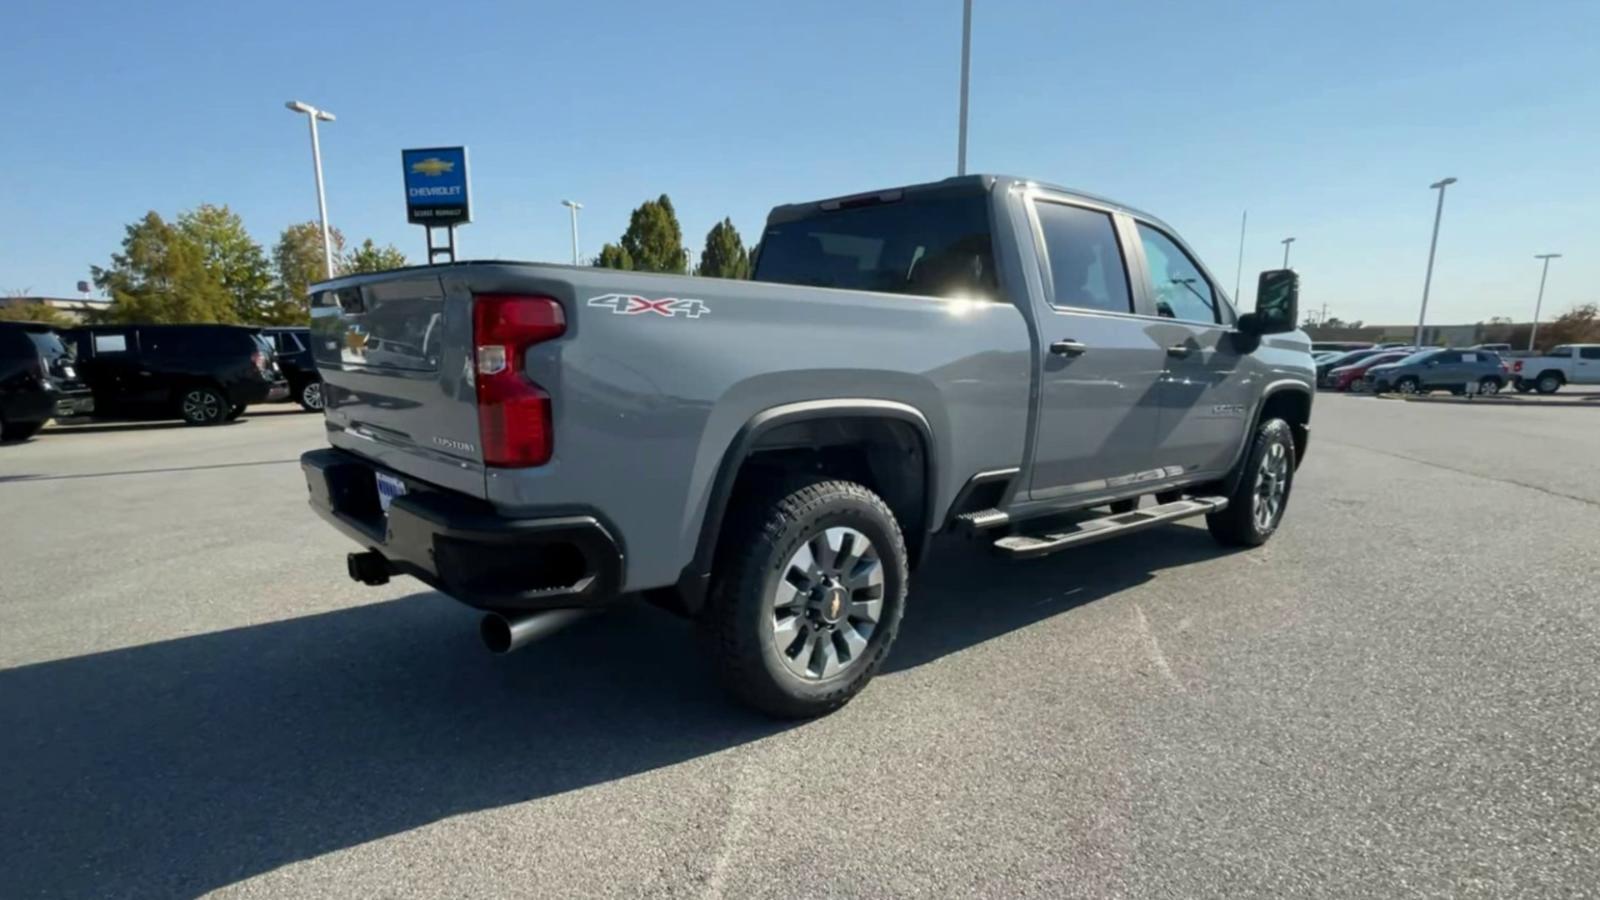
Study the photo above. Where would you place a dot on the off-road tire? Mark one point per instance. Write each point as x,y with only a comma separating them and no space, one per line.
1237,526
761,536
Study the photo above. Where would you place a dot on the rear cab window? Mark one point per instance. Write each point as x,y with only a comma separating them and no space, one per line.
929,243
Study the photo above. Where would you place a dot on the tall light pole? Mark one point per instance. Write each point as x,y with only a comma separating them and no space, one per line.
313,115
1286,242
966,67
1238,273
574,207
1539,303
1433,245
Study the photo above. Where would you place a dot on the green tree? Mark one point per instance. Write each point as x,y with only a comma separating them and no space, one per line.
161,276
369,257
724,255
233,257
654,240
613,257
297,257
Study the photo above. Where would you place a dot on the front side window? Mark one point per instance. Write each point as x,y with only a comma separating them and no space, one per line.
1181,290
1087,270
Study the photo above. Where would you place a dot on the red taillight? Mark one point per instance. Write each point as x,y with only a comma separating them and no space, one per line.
260,360
1516,366
514,423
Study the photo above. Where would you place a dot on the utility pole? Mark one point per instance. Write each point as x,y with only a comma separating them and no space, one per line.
1238,272
966,68
1539,303
1433,245
574,207
313,115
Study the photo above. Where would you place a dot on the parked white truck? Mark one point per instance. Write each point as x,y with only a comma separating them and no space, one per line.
1564,364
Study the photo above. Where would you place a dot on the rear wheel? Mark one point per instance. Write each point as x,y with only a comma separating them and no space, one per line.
1262,494
204,406
310,396
1549,383
19,431
805,606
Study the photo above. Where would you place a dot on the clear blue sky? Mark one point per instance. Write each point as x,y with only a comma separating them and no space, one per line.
1327,121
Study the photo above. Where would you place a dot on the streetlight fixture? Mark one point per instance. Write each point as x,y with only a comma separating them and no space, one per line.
1286,242
966,67
1433,245
314,115
1539,303
574,207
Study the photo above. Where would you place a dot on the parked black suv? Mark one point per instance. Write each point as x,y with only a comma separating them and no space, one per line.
37,380
203,374
293,344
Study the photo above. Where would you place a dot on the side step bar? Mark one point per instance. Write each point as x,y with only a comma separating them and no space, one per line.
1027,546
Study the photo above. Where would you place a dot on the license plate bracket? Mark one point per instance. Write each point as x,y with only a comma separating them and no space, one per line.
389,487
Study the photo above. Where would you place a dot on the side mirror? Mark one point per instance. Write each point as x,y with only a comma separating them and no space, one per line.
1277,304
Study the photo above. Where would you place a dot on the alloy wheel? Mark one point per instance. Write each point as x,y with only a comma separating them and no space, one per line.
1272,487
311,395
827,603
202,406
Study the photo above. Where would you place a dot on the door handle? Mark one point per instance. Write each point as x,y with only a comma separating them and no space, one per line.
1068,348
1181,351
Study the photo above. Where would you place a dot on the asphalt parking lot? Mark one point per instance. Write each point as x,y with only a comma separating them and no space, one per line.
1398,696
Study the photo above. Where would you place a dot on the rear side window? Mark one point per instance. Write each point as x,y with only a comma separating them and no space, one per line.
1589,352
937,245
1181,290
108,343
1087,270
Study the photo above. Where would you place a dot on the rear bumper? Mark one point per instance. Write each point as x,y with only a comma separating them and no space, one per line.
458,544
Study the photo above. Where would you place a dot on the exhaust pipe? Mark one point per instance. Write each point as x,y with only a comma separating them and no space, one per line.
505,632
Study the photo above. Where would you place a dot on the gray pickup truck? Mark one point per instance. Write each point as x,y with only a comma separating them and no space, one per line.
773,457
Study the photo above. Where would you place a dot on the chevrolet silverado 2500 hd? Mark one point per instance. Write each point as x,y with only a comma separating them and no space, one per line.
773,456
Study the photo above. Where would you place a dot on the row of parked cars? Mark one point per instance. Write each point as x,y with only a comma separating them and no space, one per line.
202,374
1485,369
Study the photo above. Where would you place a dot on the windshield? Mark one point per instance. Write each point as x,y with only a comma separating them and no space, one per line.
50,345
921,244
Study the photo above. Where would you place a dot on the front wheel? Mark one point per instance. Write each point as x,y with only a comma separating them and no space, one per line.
804,607
1408,385
310,396
1548,384
204,406
1259,500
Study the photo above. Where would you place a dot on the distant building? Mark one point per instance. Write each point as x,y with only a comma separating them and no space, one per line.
75,308
1432,335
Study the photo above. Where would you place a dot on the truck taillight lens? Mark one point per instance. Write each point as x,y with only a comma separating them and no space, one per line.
1516,366
514,422
260,360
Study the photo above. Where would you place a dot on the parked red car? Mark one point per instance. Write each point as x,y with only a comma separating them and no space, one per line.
1344,377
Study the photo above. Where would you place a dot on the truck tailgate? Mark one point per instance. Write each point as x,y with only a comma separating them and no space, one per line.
398,385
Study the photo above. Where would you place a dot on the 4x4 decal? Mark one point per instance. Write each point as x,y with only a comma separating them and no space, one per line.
634,305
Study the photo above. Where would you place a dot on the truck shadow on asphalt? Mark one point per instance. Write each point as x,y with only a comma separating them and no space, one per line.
182,766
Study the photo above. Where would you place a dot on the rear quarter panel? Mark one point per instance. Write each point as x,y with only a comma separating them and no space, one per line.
646,405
